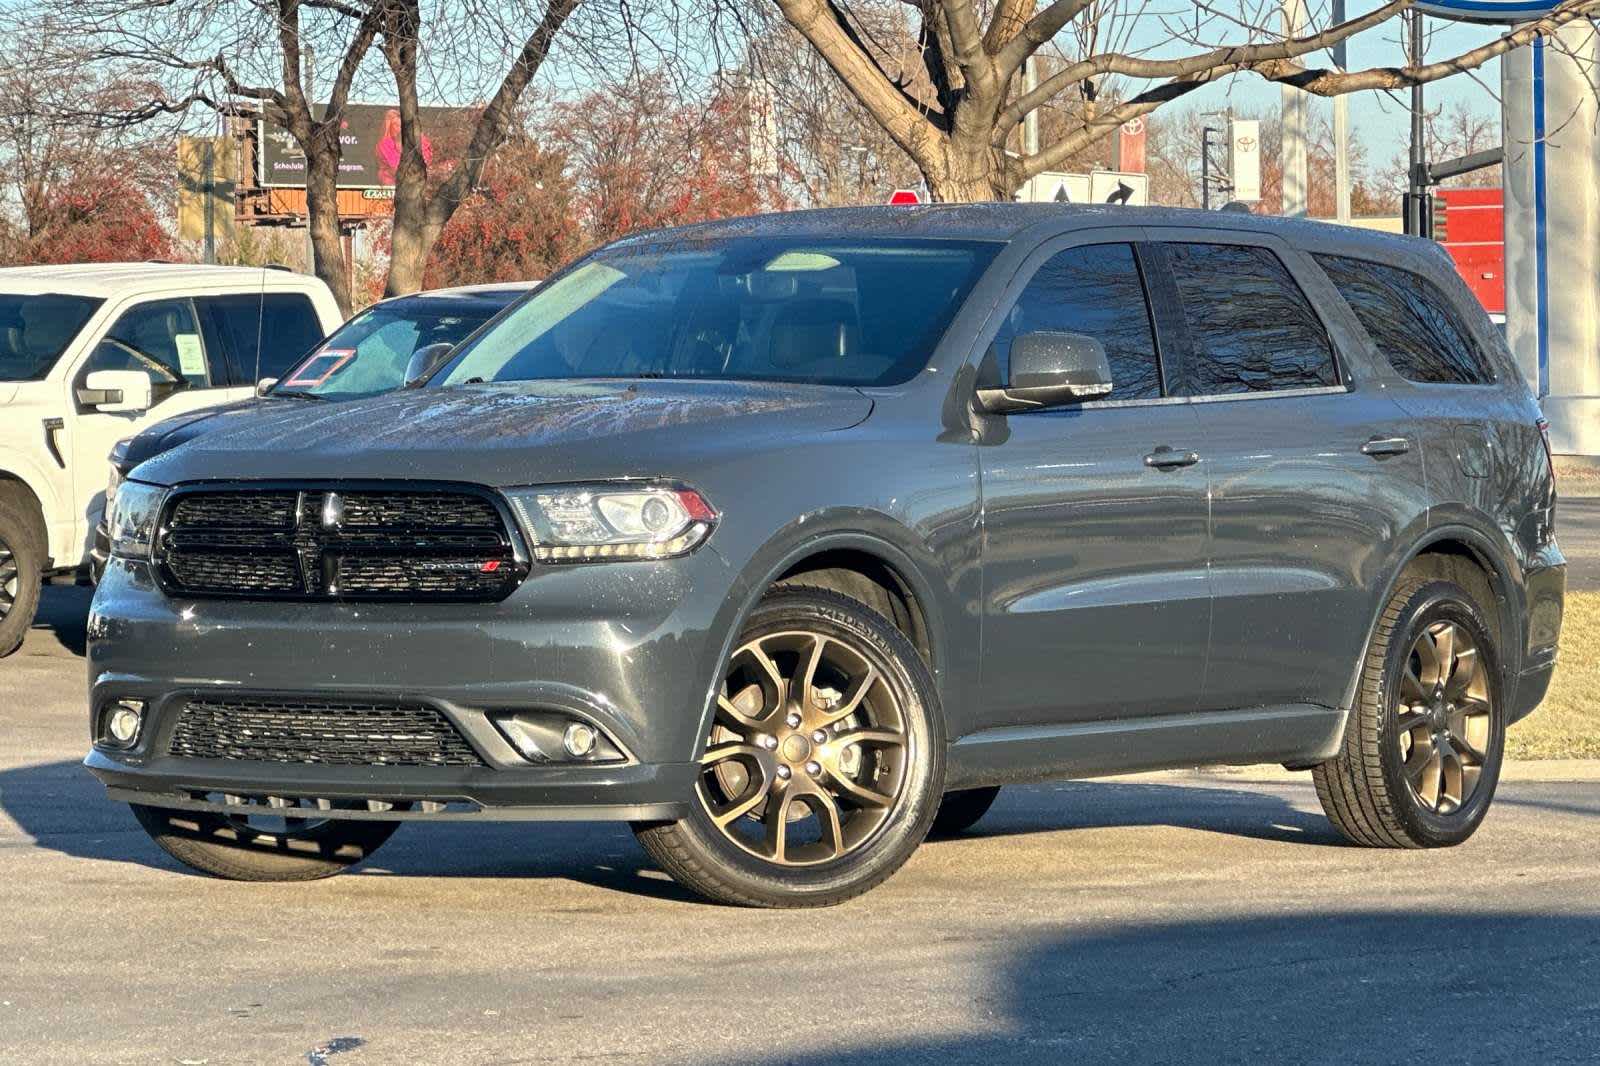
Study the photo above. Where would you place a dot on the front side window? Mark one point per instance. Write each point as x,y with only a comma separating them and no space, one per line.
369,353
819,311
162,340
1095,290
1411,322
1250,326
266,333
35,328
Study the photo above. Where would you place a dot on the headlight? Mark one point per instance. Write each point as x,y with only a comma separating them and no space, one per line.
131,521
119,458
593,523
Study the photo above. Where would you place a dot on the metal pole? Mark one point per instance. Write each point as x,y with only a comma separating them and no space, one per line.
1341,130
209,191
1293,110
1416,212
1205,168
1030,121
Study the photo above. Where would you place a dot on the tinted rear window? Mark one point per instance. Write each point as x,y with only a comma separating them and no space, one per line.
1415,325
265,333
1251,327
36,328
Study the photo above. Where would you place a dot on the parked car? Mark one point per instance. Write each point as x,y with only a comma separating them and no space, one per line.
789,539
367,355
92,353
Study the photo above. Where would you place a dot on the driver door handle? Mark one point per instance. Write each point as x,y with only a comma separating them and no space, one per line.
1169,458
1386,446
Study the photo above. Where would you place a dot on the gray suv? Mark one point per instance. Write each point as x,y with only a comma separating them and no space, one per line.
792,539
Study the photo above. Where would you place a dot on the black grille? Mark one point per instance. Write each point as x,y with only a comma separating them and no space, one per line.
326,543
321,732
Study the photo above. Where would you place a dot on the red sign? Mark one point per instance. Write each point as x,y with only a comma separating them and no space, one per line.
1128,148
905,196
1474,235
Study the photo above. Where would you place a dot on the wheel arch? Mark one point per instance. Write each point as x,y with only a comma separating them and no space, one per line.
17,488
1475,547
871,544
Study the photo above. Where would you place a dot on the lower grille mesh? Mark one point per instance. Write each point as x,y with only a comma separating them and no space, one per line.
320,732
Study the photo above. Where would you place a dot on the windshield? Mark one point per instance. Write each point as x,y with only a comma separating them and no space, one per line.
36,328
368,354
831,312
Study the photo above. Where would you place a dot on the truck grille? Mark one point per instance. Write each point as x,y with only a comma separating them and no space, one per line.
319,731
317,543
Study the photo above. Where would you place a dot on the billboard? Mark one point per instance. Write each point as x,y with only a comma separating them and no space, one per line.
370,134
1501,11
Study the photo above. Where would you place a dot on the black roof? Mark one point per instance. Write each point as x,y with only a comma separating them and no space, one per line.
480,302
1004,221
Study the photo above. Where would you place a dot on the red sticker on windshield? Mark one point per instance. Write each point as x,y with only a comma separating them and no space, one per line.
320,367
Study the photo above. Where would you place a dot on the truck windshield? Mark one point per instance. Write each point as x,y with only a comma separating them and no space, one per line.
828,312
35,328
368,354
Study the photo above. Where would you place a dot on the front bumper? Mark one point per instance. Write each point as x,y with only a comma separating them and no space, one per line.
632,648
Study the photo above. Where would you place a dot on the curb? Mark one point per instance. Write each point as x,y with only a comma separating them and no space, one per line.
1522,770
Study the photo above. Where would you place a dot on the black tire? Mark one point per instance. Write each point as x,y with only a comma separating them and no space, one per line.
223,847
960,810
703,858
1364,789
21,573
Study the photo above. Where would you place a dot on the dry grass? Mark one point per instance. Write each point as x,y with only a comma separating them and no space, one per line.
1567,724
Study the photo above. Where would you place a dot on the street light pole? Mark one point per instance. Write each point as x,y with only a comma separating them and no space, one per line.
1341,130
1417,213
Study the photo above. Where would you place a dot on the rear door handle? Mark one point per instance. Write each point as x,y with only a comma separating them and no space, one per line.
1167,458
1386,446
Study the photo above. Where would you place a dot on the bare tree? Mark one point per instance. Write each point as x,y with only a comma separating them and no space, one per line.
973,54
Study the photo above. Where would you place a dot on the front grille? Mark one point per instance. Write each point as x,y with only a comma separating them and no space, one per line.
319,732
330,543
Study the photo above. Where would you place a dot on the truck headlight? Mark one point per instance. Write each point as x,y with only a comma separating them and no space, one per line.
597,523
132,518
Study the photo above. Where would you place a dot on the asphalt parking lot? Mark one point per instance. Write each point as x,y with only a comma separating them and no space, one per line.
1161,918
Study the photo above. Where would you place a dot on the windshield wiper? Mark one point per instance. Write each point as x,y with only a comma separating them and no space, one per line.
300,396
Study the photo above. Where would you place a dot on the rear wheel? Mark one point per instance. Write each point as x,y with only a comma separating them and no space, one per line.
823,764
263,847
1423,747
960,810
21,571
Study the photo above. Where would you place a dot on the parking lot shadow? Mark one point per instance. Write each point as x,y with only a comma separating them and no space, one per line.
64,809
1416,983
64,614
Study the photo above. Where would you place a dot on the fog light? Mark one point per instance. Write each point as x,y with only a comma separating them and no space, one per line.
579,740
123,723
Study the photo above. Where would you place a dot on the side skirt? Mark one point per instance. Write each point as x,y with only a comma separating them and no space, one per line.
1298,734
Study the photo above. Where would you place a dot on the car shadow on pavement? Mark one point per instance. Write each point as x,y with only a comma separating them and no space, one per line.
64,613
1322,986
62,808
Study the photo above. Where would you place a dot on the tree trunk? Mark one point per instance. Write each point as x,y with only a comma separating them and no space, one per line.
411,242
322,216
969,174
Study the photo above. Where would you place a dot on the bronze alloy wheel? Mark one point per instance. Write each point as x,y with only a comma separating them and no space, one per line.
1442,717
808,752
10,579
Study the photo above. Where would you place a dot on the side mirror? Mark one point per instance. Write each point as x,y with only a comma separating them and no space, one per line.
264,386
116,391
424,361
1050,369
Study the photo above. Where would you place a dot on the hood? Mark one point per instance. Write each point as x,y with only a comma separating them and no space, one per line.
510,434
180,429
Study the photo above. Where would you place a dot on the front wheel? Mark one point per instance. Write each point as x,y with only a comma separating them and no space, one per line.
823,765
272,846
1423,746
21,573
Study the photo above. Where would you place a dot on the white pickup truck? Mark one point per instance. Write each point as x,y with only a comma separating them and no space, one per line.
90,354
